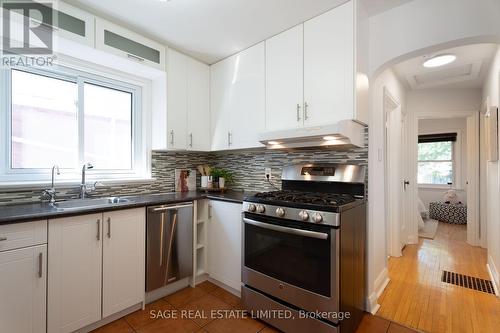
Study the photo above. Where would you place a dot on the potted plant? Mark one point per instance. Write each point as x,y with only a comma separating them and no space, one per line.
221,176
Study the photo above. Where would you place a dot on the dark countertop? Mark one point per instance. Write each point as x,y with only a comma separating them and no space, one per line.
42,211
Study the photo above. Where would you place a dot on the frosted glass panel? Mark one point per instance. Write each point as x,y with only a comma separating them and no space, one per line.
108,127
44,122
129,46
71,24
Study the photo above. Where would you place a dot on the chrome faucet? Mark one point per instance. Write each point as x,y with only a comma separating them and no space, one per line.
51,192
83,186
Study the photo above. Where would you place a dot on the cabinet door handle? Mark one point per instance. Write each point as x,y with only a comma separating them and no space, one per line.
191,140
134,57
306,114
109,227
229,138
98,236
172,137
40,265
2,239
209,211
298,112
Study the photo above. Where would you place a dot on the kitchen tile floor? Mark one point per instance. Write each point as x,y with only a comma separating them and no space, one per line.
207,297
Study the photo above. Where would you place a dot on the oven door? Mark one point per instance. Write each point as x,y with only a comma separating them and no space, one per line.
295,262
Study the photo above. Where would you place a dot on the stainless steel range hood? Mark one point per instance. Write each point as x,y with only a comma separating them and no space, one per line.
346,134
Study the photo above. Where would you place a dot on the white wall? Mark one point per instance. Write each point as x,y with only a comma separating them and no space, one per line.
430,126
491,94
424,24
377,258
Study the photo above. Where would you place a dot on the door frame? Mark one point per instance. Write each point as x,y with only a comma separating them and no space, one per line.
394,241
473,166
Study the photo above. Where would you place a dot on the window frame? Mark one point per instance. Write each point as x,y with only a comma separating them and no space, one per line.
140,168
456,148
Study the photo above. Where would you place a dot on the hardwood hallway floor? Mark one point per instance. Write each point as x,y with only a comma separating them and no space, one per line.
417,298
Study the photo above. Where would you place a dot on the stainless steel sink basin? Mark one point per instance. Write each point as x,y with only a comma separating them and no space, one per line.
90,203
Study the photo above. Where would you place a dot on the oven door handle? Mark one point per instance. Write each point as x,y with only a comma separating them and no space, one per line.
292,231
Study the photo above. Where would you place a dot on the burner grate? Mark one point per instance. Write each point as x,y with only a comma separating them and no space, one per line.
469,282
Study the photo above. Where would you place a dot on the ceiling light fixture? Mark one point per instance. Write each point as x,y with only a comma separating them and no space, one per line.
330,138
273,142
440,60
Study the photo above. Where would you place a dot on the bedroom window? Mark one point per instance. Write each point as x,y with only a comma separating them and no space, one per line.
436,164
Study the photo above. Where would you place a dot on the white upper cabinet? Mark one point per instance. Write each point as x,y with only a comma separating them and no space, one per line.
284,79
177,96
237,97
329,66
74,24
188,111
115,39
220,85
123,259
198,106
310,72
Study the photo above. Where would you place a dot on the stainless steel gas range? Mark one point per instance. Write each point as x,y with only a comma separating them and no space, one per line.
303,251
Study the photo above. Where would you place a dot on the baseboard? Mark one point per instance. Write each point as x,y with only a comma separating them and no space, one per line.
109,319
225,286
379,285
493,272
413,239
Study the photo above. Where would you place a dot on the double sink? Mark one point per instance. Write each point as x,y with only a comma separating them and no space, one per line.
77,204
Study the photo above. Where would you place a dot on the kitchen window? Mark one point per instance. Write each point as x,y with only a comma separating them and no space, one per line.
68,118
436,165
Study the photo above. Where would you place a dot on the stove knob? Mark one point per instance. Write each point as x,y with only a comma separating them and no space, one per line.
303,215
280,212
317,218
261,209
251,208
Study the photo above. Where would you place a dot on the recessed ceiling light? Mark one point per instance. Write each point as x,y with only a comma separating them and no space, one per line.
330,138
440,60
273,142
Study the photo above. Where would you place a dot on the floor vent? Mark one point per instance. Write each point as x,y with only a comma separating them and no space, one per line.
470,282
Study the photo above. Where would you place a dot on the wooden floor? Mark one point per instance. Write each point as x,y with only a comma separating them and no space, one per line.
417,298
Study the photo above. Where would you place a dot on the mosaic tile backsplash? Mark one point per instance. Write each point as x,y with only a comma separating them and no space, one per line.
247,166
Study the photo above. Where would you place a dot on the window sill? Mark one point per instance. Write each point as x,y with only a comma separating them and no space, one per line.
34,185
438,187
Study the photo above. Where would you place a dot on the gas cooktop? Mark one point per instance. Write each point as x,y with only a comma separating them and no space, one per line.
313,198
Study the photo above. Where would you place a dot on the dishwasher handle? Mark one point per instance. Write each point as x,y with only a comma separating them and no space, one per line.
166,208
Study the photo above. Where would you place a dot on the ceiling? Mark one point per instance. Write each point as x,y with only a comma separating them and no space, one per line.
211,30
467,71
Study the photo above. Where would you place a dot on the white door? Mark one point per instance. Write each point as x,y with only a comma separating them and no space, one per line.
474,232
247,98
221,76
329,66
74,267
285,79
177,97
395,182
198,107
23,286
123,259
224,243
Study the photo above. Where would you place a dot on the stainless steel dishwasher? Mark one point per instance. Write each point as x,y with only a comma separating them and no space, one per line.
169,244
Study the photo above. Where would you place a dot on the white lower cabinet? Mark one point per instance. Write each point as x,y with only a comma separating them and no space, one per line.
94,259
224,243
123,260
75,262
23,283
